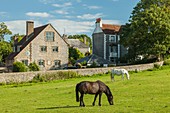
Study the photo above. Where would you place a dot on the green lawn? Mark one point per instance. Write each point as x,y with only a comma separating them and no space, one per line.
145,92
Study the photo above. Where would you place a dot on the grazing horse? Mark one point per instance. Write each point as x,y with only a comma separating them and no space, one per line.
96,88
119,72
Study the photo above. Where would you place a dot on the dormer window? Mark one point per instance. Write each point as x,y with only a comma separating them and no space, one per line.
49,36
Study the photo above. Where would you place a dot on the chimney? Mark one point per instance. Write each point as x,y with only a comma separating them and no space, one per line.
84,40
98,28
15,40
29,27
98,22
65,37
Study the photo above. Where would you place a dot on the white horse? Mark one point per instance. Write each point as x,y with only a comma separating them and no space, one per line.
119,72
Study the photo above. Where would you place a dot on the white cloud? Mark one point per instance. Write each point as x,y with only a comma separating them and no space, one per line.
61,11
91,7
46,1
94,7
38,14
72,27
90,16
19,26
3,13
116,22
62,5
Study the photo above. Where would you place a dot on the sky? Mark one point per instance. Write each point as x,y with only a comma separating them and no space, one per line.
67,16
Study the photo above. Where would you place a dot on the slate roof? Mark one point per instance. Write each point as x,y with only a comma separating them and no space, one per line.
77,43
93,58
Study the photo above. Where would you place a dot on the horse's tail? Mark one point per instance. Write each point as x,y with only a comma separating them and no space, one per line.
77,92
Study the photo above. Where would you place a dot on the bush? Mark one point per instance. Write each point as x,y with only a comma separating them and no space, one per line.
55,76
33,67
167,62
19,67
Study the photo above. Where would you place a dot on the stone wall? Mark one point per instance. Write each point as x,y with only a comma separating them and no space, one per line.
28,76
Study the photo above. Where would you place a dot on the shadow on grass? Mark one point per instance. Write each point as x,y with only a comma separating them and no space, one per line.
59,107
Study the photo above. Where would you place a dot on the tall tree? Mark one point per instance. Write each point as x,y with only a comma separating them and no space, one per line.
5,50
148,30
4,31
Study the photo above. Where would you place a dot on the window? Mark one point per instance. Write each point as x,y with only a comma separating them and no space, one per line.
57,62
49,36
55,48
43,48
25,62
41,63
112,38
113,49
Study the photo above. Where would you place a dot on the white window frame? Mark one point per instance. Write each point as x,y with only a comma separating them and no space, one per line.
112,38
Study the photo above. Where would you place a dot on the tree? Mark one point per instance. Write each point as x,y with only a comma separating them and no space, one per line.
33,67
13,38
19,67
5,50
4,31
148,30
74,54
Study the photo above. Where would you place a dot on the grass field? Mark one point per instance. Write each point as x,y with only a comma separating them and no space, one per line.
145,92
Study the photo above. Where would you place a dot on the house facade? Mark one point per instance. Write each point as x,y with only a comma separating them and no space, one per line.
42,45
105,39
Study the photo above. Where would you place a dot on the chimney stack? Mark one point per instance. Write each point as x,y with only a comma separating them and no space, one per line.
84,40
29,27
99,22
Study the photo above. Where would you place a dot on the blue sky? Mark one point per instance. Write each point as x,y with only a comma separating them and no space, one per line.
71,16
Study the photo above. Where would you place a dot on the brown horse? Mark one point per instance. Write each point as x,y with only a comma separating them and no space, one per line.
97,88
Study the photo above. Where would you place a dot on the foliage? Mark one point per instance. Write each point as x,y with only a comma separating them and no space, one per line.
4,31
84,63
16,37
148,30
5,50
74,54
166,62
19,67
33,67
55,76
81,38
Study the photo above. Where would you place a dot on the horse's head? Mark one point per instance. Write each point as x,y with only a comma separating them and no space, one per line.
109,96
110,99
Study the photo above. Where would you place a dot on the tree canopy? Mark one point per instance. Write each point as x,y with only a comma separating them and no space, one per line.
148,30
5,50
4,31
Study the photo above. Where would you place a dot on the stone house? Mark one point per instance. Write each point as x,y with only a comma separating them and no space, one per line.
76,43
42,45
105,39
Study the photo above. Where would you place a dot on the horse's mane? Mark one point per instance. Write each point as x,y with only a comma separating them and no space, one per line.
108,91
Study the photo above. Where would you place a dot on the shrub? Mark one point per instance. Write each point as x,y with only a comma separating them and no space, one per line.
55,76
33,67
19,67
167,62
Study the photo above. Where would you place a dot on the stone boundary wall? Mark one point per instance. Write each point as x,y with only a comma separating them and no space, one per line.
28,76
